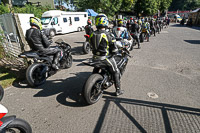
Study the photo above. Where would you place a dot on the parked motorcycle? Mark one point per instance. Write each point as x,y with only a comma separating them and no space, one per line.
41,68
86,44
11,124
102,78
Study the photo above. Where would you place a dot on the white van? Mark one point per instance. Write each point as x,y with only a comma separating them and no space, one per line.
60,22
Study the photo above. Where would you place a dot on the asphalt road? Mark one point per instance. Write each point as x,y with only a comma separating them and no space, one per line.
167,68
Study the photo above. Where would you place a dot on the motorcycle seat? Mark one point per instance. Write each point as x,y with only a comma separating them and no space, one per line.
118,38
29,54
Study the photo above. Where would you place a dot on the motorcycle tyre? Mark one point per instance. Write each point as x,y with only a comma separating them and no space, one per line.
1,92
29,77
69,61
88,88
142,37
21,125
86,47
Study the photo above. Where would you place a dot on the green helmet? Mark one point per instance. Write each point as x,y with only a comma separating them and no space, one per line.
101,20
34,21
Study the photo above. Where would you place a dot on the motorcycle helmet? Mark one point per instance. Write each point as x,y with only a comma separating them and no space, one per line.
34,21
120,22
101,21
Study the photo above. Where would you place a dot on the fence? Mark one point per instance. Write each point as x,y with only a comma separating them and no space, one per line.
10,46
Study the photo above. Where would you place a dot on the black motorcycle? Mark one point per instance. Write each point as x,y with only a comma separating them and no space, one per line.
41,68
11,124
102,79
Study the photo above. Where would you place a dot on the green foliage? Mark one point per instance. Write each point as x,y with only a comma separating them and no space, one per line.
109,7
1,44
36,10
184,5
151,7
4,9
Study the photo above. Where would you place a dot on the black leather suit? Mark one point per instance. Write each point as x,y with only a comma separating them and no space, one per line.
88,29
135,30
103,46
38,41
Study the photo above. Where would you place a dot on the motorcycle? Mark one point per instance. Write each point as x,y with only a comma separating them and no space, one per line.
86,44
11,124
102,79
41,68
128,44
145,35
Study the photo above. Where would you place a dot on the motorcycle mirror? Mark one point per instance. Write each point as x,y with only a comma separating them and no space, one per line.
1,92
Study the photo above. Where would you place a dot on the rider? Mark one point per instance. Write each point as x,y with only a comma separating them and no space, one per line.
88,27
38,41
103,49
135,30
121,33
146,26
152,26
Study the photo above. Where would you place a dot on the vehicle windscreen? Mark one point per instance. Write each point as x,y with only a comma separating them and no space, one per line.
46,20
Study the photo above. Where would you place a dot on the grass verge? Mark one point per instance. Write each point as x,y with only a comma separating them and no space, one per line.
8,76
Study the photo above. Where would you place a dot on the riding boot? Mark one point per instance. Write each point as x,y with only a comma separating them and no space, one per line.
56,60
118,85
138,41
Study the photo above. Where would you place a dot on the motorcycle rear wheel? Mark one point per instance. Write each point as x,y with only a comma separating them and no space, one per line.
18,126
142,37
90,92
34,75
86,47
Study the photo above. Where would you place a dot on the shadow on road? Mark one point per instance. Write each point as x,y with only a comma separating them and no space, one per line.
193,41
68,90
130,115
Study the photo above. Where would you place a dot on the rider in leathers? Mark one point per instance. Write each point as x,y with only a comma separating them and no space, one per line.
135,30
38,41
103,49
88,27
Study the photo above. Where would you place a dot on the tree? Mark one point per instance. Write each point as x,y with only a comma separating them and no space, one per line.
184,5
146,7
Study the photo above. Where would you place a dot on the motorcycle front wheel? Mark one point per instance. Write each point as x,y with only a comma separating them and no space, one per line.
36,74
67,62
1,92
18,126
92,91
86,47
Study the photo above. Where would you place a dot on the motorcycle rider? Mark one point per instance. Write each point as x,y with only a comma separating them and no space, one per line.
152,26
38,41
103,49
135,29
88,27
146,26
121,33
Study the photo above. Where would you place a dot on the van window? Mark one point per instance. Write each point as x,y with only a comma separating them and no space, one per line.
55,20
76,18
64,20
